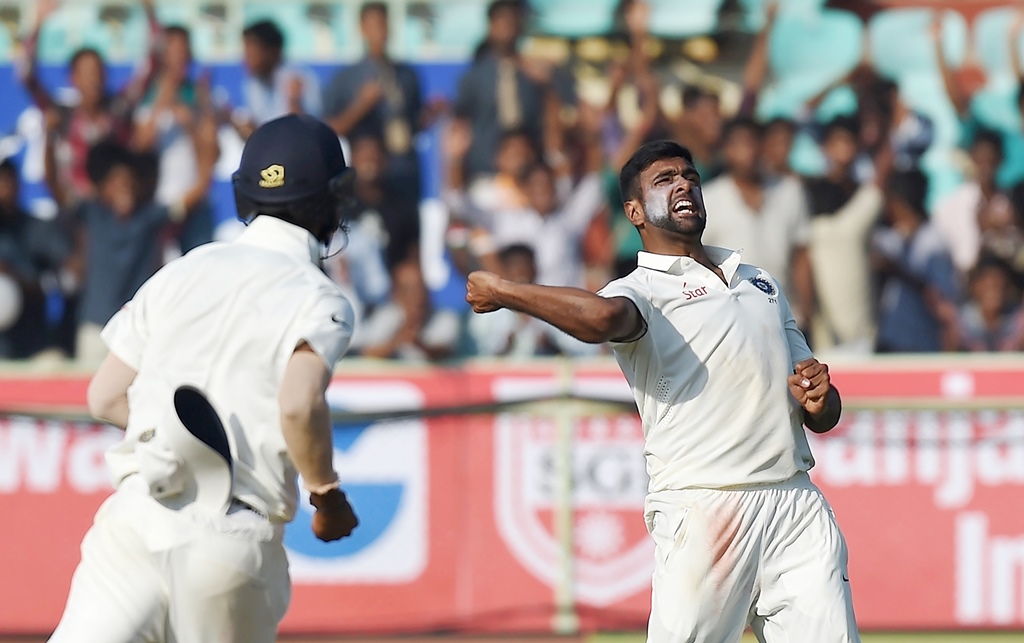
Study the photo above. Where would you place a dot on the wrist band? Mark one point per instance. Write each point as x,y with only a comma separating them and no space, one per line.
320,490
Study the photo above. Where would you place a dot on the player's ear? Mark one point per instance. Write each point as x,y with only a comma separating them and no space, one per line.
634,211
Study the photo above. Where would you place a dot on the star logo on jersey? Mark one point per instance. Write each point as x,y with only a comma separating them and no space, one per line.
764,285
272,176
613,552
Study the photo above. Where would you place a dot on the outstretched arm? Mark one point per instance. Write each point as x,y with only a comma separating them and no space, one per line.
587,317
961,101
30,72
757,64
1016,27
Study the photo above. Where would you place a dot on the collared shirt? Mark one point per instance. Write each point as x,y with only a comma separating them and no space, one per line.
267,101
226,319
767,237
709,375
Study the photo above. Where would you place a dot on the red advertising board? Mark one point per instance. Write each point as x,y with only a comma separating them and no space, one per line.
460,512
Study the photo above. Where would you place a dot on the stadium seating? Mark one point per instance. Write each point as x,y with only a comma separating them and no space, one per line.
754,11
574,18
671,20
458,25
807,52
901,41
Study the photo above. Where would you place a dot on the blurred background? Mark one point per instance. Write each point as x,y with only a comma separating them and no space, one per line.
868,153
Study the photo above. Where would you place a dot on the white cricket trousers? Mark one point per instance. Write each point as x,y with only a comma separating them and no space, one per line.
771,557
150,574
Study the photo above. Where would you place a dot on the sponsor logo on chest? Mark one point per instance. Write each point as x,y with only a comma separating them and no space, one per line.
694,293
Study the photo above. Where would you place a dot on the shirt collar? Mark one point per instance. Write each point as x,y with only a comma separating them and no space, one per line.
274,234
727,260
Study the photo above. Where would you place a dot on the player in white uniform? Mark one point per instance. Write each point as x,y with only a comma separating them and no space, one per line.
724,383
257,328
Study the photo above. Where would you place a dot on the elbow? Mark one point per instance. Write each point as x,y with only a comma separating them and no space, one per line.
298,411
99,404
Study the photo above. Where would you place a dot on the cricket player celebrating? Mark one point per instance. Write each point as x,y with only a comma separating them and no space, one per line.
724,382
217,371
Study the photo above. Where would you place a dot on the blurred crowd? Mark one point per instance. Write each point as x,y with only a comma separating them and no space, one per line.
530,191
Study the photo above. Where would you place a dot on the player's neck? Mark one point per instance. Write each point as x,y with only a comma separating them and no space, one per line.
677,245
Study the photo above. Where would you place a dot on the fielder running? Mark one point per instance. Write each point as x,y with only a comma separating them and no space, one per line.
217,371
724,383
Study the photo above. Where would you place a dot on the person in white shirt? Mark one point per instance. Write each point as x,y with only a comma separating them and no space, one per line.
272,88
764,217
255,327
724,383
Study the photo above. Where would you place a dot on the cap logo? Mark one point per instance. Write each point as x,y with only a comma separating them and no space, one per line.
273,176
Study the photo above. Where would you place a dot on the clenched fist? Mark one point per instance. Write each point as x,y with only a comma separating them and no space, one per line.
334,518
482,289
810,384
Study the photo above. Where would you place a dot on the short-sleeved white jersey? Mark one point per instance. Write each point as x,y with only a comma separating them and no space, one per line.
709,374
226,318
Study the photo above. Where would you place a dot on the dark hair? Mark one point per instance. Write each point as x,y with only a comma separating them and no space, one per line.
520,133
307,213
847,124
643,158
781,122
742,123
1020,94
988,261
84,52
532,168
371,7
366,135
266,33
501,5
517,250
986,136
106,155
911,187
693,94
178,30
7,166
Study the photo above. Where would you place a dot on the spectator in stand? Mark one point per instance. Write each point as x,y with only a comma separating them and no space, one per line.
177,122
962,85
381,97
394,215
777,147
97,115
31,254
503,91
958,217
919,287
118,245
992,319
507,333
272,87
622,136
552,226
843,215
699,129
408,327
767,220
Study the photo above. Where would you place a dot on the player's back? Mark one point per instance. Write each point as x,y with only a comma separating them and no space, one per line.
226,318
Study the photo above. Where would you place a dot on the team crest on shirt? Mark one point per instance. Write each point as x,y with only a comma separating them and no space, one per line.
613,555
764,285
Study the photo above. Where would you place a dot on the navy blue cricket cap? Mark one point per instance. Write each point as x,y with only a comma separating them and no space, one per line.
289,158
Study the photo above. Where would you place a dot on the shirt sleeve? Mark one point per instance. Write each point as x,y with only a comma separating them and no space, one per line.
128,331
642,301
798,349
327,328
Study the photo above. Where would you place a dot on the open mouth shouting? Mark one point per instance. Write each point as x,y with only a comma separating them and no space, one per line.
684,205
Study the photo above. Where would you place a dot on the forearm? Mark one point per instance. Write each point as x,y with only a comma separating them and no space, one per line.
347,119
803,281
588,317
307,436
828,418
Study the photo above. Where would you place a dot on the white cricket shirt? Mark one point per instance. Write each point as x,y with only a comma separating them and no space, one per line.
226,318
709,375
